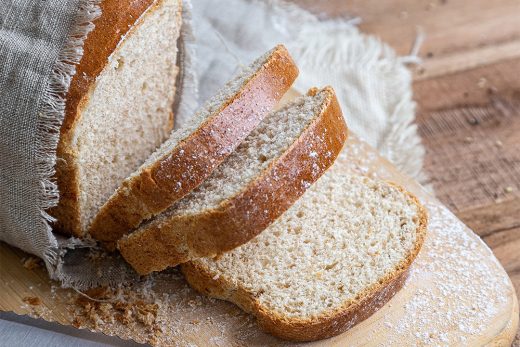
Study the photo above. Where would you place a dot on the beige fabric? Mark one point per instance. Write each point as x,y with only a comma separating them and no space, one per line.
40,43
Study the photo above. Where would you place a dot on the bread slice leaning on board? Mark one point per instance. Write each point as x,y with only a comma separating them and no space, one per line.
332,260
119,105
189,156
267,173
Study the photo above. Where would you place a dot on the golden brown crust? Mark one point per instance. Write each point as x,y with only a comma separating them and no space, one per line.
169,179
249,212
327,325
118,18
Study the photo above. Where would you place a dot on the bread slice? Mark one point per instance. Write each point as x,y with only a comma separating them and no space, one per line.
119,104
333,259
192,153
269,171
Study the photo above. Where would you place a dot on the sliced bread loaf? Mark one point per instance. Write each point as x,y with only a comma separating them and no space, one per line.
119,104
267,173
192,153
333,259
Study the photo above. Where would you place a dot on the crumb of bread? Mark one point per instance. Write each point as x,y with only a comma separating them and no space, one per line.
32,300
31,263
103,305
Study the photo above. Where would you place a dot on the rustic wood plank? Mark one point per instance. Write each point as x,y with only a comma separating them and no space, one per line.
451,26
476,87
470,125
461,35
472,153
465,60
489,219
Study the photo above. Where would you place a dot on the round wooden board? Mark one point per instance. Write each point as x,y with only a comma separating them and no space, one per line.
457,292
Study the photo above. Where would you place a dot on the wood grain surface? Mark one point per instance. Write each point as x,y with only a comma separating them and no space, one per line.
468,95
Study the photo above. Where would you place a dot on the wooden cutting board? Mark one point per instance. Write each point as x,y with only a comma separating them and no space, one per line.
457,292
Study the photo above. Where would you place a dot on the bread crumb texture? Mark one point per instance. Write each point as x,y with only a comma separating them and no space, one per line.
32,263
129,111
343,236
268,172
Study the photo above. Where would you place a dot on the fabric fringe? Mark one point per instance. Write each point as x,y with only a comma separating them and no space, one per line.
51,117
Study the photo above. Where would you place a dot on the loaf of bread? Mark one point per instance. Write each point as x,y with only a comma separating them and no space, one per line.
119,105
241,197
333,259
189,156
266,174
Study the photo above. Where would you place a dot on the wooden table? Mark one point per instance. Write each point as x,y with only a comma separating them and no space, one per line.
468,95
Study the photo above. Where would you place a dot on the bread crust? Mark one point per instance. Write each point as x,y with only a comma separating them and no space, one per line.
118,18
329,324
242,217
193,159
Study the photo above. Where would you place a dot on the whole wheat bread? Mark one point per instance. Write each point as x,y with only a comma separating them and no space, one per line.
267,173
119,105
192,153
333,259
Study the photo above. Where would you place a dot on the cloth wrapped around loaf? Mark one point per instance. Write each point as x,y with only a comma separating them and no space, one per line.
53,55
41,45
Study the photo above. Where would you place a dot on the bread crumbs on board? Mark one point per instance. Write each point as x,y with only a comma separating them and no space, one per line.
32,300
32,263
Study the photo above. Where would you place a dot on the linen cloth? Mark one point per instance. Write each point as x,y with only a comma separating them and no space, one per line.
40,43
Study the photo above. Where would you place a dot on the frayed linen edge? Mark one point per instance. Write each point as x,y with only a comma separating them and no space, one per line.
50,118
